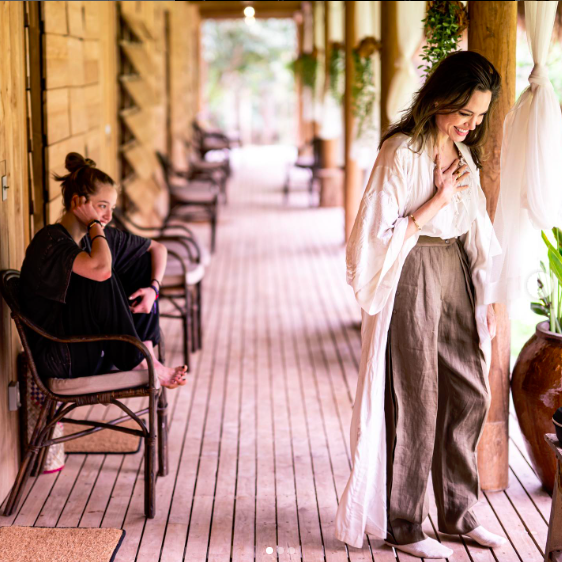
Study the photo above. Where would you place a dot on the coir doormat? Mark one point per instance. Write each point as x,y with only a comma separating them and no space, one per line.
105,441
40,544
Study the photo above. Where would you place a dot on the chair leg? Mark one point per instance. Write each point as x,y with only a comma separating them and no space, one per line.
199,316
194,328
213,228
163,433
186,321
27,461
150,461
42,456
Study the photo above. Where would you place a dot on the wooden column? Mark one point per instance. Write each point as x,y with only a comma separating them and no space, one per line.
352,190
492,33
389,54
329,146
298,82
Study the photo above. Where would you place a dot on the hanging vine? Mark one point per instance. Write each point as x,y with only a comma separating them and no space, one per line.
306,67
337,70
443,25
363,92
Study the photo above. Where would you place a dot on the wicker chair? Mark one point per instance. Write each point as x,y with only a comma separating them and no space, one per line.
310,163
191,200
62,396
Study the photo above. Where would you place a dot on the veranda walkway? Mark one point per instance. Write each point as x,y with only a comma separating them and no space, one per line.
259,435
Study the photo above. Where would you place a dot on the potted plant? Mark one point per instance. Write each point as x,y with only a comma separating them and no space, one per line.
536,382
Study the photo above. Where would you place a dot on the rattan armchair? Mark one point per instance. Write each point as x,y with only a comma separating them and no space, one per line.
62,396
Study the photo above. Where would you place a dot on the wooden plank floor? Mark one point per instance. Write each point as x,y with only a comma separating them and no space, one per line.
259,445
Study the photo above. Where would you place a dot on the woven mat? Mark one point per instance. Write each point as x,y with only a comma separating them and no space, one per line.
40,544
105,441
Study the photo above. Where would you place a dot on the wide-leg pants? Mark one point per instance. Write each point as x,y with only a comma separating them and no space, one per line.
437,395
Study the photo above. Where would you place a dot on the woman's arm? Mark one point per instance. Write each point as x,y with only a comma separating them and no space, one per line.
158,254
96,265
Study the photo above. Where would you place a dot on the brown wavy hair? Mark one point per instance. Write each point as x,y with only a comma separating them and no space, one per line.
447,89
83,178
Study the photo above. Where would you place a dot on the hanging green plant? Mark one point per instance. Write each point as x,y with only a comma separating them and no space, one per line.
363,92
306,67
337,70
443,25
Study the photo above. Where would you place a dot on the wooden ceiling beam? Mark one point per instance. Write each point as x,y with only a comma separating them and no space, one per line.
264,9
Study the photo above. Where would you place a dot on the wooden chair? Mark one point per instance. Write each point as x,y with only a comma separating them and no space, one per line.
311,163
191,200
218,171
182,284
62,396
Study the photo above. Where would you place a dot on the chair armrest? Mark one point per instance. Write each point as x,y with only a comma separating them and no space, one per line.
160,229
89,338
185,242
182,265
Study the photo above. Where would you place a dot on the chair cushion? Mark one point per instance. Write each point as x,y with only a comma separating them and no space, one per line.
100,383
174,274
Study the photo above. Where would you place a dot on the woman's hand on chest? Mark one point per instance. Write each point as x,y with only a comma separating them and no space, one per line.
449,181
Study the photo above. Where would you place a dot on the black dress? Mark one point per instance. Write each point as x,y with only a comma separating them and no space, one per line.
66,304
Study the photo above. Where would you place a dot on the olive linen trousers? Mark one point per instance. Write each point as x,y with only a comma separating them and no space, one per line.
437,393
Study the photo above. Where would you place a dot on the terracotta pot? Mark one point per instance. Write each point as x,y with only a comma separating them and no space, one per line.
536,385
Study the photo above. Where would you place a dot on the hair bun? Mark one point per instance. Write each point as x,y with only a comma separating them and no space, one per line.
75,162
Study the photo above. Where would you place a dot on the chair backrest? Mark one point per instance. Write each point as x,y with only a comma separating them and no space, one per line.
166,166
10,290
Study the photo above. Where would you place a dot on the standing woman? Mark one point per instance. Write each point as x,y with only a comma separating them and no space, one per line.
416,260
83,277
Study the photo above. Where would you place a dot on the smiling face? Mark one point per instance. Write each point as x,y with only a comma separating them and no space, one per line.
457,125
104,201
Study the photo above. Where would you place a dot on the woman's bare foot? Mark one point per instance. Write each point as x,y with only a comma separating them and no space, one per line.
170,377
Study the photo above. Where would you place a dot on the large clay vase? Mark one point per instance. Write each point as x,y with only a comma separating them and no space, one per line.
536,385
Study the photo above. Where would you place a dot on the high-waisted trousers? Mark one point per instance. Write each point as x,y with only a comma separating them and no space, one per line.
437,394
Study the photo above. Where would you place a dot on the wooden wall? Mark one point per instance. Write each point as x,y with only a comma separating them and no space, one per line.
77,60
14,213
73,117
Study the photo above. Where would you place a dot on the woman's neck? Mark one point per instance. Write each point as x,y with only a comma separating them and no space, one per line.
444,143
75,228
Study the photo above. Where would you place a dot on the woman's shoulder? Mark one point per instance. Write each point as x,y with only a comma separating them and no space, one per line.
396,151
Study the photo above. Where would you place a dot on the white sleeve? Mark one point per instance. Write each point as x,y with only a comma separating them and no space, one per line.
481,246
378,236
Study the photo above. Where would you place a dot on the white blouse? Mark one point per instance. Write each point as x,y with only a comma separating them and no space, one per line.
401,182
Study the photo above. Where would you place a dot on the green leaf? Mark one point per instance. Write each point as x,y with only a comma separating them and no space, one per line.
555,262
539,309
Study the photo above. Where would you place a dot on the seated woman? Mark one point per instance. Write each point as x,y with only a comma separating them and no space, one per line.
81,277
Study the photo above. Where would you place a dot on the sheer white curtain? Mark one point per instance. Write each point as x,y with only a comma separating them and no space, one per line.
531,174
405,82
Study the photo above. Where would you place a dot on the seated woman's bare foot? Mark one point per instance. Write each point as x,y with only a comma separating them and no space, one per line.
170,377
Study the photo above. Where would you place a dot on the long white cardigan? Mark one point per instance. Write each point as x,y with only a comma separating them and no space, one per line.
401,181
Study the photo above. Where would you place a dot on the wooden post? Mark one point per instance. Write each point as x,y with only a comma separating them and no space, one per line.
389,54
352,188
492,33
329,146
298,81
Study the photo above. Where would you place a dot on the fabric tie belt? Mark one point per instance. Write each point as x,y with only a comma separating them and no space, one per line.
435,241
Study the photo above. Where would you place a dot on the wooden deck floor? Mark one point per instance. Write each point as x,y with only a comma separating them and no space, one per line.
259,436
